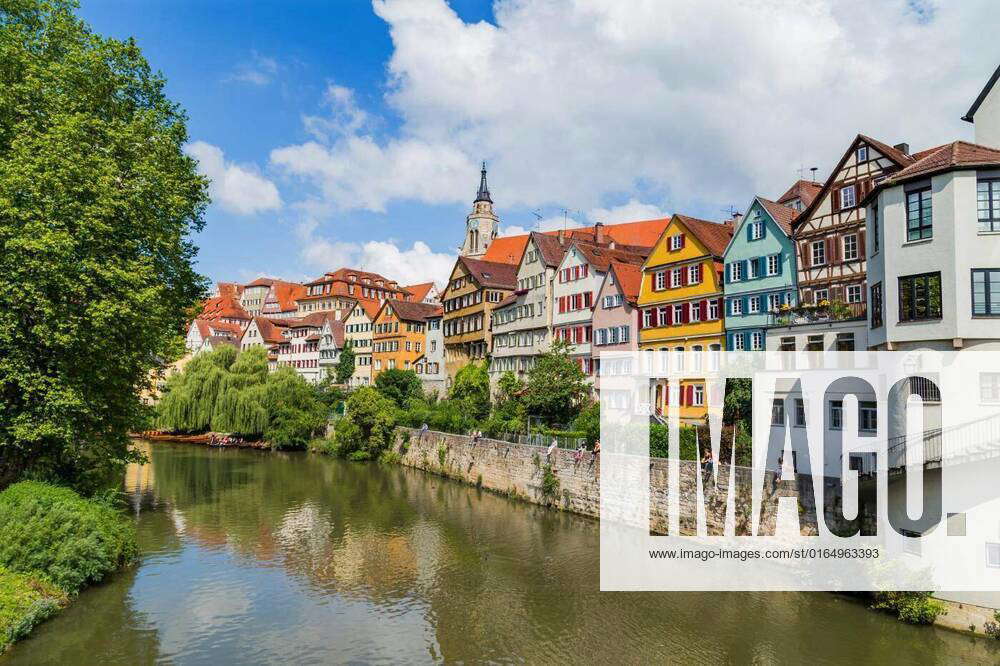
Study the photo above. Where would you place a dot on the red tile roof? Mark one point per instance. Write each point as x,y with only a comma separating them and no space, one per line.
491,273
260,282
803,190
270,329
418,292
629,277
643,233
408,311
713,235
783,215
955,155
601,257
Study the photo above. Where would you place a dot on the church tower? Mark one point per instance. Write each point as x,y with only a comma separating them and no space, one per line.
482,225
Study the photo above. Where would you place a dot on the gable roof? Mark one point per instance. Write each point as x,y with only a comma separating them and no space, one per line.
549,248
782,215
418,292
898,157
491,273
803,190
260,282
982,96
600,257
713,235
410,311
639,234
337,329
629,278
952,156
270,329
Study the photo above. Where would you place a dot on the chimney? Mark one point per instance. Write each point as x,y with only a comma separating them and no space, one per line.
599,233
736,218
903,148
562,237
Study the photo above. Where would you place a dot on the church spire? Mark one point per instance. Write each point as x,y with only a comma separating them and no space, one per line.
484,190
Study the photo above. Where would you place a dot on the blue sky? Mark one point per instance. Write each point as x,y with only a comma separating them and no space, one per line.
350,131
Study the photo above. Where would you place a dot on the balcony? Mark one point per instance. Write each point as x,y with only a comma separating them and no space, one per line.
824,311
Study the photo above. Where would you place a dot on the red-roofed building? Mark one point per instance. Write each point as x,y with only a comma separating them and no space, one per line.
615,317
400,334
358,334
425,292
339,289
201,329
640,234
272,297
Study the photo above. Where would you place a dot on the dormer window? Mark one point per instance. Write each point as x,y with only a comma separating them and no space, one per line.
352,278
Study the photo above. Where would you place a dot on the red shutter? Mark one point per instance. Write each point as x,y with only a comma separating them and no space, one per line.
683,241
666,395
586,270
685,313
682,394
684,276
831,249
701,272
670,315
861,244
588,299
690,396
834,200
703,310
804,257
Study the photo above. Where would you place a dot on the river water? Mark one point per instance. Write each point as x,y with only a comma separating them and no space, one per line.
254,557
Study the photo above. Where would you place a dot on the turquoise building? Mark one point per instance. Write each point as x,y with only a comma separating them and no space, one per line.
760,273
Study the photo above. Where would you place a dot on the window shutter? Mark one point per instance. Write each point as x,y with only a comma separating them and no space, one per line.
703,310
804,254
861,244
654,317
690,394
781,258
701,272
832,245
835,200
746,304
685,314
586,270
746,268
666,395
763,228
750,231
719,309
684,276
682,395
669,319
728,276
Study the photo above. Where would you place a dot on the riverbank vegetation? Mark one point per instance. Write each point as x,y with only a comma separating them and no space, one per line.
53,543
232,392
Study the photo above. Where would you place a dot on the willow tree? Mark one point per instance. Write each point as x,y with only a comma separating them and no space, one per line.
98,203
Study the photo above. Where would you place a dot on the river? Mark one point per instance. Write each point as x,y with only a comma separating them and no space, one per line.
253,557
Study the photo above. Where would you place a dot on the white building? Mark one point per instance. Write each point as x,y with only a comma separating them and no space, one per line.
430,367
200,330
358,333
331,344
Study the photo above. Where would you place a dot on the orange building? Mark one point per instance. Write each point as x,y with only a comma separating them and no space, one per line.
399,334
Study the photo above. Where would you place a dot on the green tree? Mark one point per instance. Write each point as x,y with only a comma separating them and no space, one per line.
366,429
98,202
738,404
345,364
400,386
588,421
556,386
472,387
508,413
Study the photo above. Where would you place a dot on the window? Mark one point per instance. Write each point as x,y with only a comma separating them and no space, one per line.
854,293
989,387
818,253
850,247
695,312
773,302
847,198
756,230
867,416
660,280
993,555
800,412
738,343
676,241
876,305
694,274
918,215
821,295
988,201
986,292
675,277
777,412
647,318
752,270
678,314
754,304
714,351
772,264
836,414
736,271
861,154
845,342
787,344
699,395
920,297
756,341
713,309
814,343
736,306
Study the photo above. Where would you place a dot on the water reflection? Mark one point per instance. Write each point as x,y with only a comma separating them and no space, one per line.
252,557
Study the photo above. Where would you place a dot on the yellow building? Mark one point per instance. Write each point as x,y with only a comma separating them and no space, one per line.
681,304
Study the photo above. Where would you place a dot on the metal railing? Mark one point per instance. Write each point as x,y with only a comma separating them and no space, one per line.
806,314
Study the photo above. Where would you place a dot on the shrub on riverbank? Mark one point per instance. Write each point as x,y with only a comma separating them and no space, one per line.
25,601
56,535
367,427
911,607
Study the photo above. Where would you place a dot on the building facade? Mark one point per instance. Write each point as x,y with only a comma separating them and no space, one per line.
760,273
399,335
934,254
358,334
430,366
681,302
474,288
339,290
615,317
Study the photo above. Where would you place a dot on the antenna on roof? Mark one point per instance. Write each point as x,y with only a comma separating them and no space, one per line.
732,211
814,170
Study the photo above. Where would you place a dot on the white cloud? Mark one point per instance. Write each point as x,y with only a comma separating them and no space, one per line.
259,71
705,102
238,189
407,266
631,211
